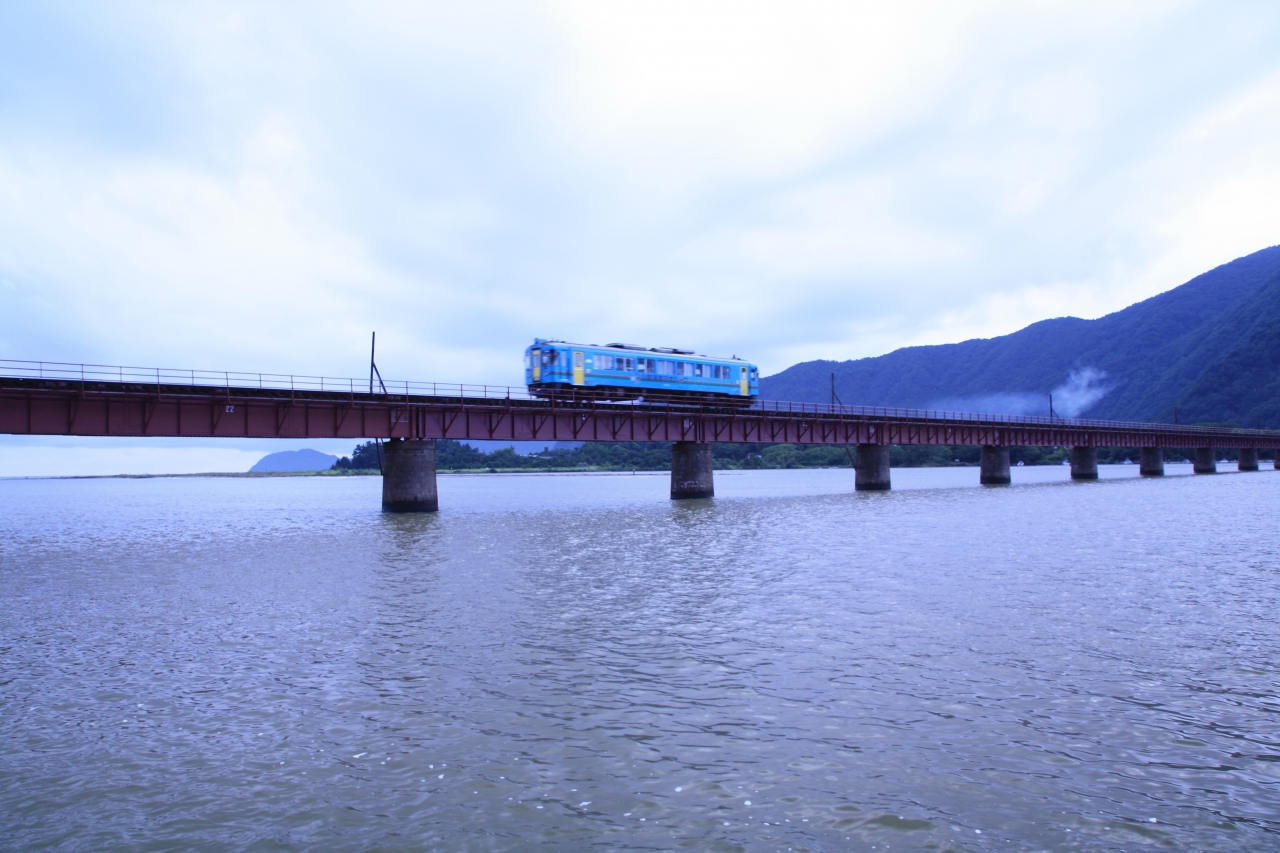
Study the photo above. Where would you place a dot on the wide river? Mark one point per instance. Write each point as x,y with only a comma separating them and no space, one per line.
577,663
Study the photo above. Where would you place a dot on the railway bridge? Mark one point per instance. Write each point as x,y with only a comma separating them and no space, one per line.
45,398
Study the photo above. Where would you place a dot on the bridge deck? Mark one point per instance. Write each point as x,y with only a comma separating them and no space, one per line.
40,398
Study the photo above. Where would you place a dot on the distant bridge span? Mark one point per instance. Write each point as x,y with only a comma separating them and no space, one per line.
43,398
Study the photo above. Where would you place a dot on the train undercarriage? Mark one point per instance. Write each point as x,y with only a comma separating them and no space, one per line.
614,394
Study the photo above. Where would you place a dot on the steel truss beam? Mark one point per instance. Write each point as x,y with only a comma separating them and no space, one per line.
49,407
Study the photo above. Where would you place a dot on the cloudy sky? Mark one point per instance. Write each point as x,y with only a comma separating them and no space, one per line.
258,186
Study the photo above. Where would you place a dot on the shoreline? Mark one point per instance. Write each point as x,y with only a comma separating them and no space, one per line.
470,472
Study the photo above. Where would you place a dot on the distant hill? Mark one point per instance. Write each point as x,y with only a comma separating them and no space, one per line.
1210,347
287,461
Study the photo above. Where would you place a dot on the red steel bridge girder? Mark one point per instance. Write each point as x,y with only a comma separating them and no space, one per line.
57,407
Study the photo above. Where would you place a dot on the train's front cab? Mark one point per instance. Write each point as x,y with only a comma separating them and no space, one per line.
552,363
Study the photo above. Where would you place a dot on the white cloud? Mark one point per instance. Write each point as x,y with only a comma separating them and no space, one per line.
685,95
232,185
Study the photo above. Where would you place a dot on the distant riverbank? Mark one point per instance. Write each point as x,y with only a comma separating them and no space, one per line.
656,456
373,472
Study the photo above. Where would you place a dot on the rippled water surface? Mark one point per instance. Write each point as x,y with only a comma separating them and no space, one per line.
577,663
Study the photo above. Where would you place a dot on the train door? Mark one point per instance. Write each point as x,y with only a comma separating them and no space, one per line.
537,365
743,385
578,377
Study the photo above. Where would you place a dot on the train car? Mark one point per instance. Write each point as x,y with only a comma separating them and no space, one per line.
626,372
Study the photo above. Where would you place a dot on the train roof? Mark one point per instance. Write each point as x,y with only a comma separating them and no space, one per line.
635,348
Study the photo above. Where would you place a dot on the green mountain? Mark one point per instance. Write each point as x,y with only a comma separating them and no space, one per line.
1210,348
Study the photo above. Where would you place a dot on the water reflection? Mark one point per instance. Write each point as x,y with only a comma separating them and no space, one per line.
578,663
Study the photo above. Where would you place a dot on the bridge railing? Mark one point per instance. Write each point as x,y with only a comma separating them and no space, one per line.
80,373
68,372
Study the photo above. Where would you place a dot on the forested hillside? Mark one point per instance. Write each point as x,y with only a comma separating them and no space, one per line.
1210,348
455,456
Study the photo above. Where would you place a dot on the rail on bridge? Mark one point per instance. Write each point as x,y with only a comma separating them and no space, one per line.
49,398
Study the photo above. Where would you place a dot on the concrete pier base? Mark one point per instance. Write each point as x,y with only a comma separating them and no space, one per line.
1206,461
409,475
691,473
873,468
1152,462
1084,463
994,470
1248,459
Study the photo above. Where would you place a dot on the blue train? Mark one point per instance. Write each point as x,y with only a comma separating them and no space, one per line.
626,372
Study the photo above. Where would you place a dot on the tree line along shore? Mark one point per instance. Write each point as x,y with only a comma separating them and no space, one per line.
457,457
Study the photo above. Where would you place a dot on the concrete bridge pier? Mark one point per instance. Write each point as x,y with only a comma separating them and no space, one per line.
409,475
1151,463
994,470
1084,463
872,473
691,475
1206,461
1248,459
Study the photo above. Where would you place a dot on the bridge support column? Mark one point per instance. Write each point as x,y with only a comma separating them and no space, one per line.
1084,463
994,470
1152,462
1206,461
872,473
691,475
1248,459
409,475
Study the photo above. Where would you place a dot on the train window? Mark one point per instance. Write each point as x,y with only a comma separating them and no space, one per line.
684,368
667,368
604,362
646,365
755,373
